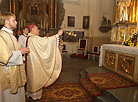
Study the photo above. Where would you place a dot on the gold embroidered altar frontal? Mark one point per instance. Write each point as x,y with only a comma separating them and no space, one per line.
109,60
121,59
126,64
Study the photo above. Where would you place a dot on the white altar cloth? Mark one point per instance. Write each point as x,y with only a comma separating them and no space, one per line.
117,48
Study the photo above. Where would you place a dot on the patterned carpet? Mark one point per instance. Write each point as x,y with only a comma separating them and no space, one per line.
64,93
110,81
86,90
103,81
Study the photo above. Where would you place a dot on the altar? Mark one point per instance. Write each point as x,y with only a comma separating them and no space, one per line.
121,59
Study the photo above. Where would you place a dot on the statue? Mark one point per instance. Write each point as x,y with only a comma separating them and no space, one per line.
105,25
123,8
104,22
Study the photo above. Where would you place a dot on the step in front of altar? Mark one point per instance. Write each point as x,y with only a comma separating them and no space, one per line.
105,93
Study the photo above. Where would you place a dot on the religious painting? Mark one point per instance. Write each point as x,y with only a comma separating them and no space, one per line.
132,30
34,10
72,36
86,20
126,65
71,21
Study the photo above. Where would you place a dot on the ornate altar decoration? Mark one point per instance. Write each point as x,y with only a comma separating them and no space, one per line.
109,60
48,15
121,59
125,21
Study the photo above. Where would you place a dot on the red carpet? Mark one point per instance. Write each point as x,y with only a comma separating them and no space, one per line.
79,56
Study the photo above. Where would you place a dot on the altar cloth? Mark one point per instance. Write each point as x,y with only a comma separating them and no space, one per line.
116,48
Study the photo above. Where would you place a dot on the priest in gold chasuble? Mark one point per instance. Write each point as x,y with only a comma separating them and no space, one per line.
43,62
12,71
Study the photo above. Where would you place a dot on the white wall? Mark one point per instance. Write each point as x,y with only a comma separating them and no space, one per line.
73,9
93,8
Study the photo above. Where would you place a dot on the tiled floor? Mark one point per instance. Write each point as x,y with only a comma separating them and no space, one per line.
73,66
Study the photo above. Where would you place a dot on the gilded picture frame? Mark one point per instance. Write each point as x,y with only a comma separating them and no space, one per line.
34,10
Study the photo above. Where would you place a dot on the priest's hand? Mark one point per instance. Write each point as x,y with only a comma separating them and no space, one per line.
24,50
60,32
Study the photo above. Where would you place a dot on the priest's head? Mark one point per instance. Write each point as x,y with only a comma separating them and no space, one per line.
8,20
34,29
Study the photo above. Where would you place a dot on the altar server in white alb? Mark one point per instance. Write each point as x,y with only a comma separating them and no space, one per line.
12,71
22,39
43,62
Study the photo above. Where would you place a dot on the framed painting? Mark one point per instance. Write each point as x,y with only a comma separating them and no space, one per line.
86,20
34,10
71,21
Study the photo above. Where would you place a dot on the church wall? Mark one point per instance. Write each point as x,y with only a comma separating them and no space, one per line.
95,9
73,9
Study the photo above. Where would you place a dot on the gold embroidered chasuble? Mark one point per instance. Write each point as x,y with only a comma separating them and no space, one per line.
15,76
43,62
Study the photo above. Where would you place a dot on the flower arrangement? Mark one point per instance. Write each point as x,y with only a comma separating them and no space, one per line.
132,41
